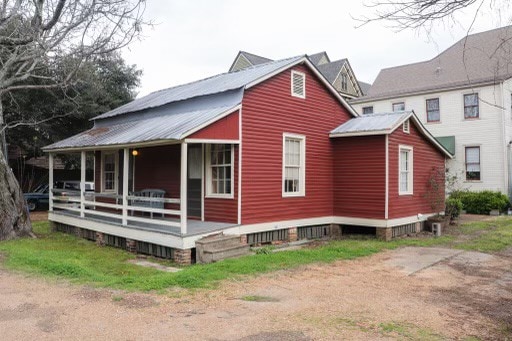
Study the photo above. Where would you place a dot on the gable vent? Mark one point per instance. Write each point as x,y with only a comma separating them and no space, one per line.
406,127
298,84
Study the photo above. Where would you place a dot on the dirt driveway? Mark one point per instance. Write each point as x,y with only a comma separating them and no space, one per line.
453,296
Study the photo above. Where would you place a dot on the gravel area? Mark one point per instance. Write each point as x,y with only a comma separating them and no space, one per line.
469,294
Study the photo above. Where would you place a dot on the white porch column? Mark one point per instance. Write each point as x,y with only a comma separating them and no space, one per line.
126,166
50,182
82,183
183,188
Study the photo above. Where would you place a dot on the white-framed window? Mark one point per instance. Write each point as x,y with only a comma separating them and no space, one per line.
472,155
367,110
406,167
219,170
433,112
471,109
399,106
294,165
406,127
109,171
298,84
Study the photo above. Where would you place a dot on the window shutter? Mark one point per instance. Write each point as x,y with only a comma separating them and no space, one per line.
406,126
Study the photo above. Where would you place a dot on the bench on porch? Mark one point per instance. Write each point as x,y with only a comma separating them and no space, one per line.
145,199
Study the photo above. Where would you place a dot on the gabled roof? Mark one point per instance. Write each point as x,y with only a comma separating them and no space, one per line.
316,58
365,87
384,124
250,58
476,59
203,87
332,69
175,113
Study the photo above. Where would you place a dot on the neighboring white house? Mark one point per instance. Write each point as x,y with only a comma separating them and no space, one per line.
463,97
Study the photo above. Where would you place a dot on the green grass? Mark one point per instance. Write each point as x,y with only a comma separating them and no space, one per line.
257,298
58,255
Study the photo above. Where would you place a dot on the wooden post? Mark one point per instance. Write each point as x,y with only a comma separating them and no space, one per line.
82,184
126,165
183,188
50,182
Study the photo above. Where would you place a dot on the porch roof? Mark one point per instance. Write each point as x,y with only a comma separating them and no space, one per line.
148,130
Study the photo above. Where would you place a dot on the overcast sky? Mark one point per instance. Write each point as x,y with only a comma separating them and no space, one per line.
196,39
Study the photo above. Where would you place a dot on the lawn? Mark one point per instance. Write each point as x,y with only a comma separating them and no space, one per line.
59,255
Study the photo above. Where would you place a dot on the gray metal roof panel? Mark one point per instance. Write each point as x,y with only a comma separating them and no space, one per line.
166,127
207,86
371,123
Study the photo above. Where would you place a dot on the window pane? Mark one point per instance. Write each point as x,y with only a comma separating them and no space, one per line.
404,181
473,155
220,169
399,106
433,113
367,110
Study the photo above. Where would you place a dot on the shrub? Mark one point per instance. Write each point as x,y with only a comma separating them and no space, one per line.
453,208
482,202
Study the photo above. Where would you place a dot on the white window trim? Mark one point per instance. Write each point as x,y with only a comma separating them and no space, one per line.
303,75
410,179
302,172
479,146
116,171
406,126
208,172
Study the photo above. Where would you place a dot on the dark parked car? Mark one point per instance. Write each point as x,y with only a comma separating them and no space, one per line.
39,199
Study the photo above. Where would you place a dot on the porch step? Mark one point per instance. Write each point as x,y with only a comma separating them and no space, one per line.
214,248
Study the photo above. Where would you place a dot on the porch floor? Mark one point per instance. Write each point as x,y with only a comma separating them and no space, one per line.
194,227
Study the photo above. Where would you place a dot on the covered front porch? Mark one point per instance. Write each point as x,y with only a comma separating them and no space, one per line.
167,194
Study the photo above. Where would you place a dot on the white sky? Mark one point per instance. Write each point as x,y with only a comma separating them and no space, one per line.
196,39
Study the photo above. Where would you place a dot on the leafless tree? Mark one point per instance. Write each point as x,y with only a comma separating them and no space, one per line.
44,44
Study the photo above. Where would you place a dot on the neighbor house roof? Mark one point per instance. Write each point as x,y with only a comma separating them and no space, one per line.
332,69
177,112
476,59
383,124
316,58
365,87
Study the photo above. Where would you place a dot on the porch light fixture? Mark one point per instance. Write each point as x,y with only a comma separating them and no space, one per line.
135,152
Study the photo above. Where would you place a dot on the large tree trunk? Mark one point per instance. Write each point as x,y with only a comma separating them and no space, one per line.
14,217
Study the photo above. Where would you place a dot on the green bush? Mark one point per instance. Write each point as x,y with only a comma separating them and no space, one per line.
482,202
453,208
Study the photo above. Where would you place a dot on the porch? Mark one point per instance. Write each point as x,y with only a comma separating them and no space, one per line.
156,193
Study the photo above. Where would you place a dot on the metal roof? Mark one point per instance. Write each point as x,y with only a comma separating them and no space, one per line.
372,123
207,86
166,127
448,142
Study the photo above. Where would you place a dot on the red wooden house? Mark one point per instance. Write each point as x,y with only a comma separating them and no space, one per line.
269,152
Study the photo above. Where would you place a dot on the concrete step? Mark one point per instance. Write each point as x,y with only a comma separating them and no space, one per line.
209,256
218,242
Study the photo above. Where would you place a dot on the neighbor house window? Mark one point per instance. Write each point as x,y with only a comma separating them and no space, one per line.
219,161
294,165
406,170
109,172
433,113
471,106
367,110
400,106
344,81
298,84
472,163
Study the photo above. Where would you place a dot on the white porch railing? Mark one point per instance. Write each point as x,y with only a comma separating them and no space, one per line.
92,203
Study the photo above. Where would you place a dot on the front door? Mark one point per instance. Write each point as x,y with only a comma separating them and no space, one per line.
195,172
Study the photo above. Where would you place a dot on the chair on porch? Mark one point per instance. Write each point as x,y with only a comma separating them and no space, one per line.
148,193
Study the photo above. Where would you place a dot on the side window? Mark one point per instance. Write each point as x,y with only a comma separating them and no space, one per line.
406,167
400,106
219,171
109,171
473,163
294,174
367,110
433,112
471,109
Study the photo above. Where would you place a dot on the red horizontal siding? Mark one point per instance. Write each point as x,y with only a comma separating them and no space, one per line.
360,177
269,110
224,129
425,158
224,210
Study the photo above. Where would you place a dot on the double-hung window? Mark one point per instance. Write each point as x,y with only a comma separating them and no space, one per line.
433,112
109,171
406,167
472,163
294,165
219,160
471,106
400,106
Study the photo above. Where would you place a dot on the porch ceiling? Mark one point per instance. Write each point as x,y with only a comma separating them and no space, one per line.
155,129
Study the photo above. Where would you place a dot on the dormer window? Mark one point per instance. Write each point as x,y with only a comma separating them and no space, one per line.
406,127
298,83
